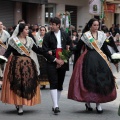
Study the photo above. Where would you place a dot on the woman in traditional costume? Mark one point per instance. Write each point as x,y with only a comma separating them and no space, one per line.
42,61
20,81
4,36
92,80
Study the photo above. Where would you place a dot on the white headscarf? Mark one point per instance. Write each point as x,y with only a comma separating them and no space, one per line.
15,33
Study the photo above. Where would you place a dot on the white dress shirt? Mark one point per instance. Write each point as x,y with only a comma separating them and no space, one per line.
58,36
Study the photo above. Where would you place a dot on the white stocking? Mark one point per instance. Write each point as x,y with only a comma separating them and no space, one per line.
20,108
98,106
54,97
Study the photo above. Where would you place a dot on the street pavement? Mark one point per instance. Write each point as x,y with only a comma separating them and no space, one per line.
70,110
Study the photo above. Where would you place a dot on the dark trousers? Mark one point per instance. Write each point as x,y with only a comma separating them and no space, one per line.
55,76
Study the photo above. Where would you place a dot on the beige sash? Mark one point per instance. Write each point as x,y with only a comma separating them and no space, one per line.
2,44
21,46
94,45
100,52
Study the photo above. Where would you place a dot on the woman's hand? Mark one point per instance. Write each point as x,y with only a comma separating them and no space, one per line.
67,47
50,52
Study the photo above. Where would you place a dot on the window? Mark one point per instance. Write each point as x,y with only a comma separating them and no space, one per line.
49,12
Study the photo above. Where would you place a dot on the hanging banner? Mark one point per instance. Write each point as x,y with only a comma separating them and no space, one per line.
95,7
110,8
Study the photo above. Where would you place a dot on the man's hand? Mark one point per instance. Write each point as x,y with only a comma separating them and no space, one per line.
59,62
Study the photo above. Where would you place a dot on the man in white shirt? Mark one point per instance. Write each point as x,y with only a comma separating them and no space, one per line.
56,40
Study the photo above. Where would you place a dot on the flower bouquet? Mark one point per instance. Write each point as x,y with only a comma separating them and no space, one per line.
65,55
107,40
116,58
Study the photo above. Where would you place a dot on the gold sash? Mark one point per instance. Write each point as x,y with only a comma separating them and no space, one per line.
21,46
2,44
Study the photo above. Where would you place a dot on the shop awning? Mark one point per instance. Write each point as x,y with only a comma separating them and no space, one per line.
32,1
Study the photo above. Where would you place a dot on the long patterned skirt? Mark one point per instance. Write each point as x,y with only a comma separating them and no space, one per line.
20,82
92,80
43,70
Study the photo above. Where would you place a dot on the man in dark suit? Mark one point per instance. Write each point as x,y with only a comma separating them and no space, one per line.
54,41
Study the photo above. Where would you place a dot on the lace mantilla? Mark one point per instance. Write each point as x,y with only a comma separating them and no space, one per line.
28,46
101,38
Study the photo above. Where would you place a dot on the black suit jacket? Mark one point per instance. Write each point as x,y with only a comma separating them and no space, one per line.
50,43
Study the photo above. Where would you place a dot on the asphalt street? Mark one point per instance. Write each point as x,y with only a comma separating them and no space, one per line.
70,110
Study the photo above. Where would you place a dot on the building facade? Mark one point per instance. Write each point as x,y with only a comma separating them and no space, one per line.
113,13
40,11
78,8
30,10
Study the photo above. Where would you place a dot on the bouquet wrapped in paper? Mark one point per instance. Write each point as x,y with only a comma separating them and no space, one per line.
2,58
116,58
65,55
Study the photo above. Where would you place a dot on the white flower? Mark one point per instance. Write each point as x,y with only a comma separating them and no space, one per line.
115,56
3,58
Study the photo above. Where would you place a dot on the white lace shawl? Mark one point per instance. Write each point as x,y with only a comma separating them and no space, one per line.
5,36
29,45
101,38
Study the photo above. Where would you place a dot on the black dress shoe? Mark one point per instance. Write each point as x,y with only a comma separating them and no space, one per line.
17,108
99,111
43,87
88,108
58,109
